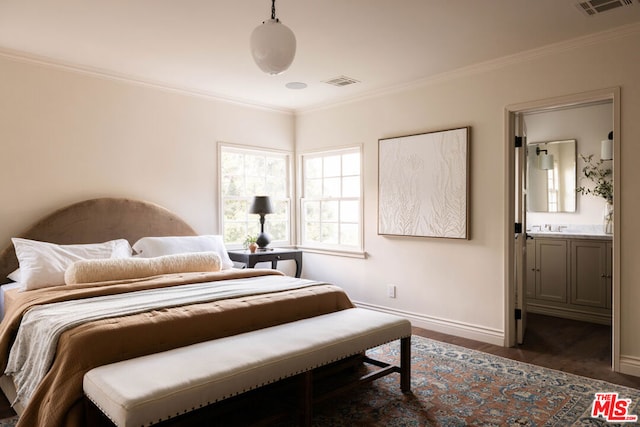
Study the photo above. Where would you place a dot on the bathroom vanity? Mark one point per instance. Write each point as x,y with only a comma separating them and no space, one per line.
569,274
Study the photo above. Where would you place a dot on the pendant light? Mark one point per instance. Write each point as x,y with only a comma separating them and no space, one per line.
273,44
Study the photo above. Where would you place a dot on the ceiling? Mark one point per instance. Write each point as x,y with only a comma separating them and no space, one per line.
203,46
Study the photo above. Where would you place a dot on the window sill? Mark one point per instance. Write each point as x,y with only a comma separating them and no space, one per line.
334,252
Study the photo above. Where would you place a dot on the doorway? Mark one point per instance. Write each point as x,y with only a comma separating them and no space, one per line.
515,308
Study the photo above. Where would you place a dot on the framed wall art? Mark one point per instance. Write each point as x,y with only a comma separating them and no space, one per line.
423,184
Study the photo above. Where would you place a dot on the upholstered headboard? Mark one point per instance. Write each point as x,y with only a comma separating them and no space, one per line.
99,220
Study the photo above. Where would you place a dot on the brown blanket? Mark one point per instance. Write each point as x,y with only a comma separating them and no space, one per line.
58,399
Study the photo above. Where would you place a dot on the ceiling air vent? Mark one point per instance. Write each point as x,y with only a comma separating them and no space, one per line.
341,81
594,7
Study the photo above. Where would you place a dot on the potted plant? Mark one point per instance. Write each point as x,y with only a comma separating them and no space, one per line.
602,176
250,243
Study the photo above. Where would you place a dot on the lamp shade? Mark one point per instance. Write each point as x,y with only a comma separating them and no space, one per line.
261,205
545,162
273,46
606,149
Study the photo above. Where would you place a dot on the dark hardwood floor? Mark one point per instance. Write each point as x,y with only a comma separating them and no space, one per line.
580,348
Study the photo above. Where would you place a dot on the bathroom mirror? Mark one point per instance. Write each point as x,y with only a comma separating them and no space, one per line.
551,176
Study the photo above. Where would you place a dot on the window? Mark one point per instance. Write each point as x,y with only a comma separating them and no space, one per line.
331,206
552,192
245,173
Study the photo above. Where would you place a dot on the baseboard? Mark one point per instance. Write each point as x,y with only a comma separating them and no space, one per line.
460,329
630,365
566,313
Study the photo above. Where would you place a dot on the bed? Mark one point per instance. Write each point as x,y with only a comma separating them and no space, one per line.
269,299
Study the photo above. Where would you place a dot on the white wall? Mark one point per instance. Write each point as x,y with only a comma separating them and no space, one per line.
66,137
459,285
588,125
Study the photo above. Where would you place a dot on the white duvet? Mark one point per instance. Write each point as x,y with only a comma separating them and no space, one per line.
3,289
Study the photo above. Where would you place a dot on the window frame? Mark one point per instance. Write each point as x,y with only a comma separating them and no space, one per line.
250,149
331,249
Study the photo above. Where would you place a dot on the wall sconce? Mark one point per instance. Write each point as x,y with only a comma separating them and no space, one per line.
262,205
606,148
545,161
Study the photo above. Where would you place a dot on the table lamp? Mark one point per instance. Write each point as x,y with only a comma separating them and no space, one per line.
262,205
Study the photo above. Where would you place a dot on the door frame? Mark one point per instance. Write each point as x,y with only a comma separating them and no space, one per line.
549,104
520,200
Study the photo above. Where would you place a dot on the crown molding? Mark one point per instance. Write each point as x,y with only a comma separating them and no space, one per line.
483,67
44,61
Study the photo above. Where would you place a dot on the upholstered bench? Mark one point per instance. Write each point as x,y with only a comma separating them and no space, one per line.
150,389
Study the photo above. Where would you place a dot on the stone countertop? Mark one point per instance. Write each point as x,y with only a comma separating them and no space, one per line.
569,235
568,231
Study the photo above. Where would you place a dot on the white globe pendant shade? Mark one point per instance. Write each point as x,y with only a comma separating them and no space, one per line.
273,46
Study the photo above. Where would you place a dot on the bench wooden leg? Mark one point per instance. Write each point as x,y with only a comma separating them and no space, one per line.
93,416
306,398
405,364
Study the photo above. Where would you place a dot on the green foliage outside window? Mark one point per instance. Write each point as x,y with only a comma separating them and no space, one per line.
246,173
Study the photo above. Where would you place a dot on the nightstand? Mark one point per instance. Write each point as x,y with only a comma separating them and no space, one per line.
272,255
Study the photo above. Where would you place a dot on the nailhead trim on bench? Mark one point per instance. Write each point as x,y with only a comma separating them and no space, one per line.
335,358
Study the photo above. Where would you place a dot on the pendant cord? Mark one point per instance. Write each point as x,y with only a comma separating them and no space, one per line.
273,9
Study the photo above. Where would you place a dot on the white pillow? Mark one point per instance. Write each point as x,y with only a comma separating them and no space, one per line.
14,275
43,264
149,247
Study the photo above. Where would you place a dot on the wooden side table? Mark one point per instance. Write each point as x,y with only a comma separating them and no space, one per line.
272,255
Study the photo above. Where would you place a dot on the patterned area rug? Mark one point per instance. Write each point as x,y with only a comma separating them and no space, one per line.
453,386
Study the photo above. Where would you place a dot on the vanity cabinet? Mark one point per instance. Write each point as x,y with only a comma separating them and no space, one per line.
530,288
591,273
549,270
570,277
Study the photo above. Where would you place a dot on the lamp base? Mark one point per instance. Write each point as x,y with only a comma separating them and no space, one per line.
263,240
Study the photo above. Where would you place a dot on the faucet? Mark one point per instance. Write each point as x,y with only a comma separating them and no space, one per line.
562,227
547,227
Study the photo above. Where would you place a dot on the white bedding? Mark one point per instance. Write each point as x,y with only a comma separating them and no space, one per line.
34,348
3,289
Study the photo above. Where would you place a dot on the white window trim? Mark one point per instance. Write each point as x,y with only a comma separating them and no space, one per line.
336,250
292,206
343,253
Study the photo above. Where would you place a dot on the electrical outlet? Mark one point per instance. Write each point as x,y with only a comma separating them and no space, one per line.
391,291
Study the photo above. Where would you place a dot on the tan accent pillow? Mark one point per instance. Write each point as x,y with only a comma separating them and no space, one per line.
103,270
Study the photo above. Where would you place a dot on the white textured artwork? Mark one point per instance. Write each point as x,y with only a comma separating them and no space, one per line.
422,187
